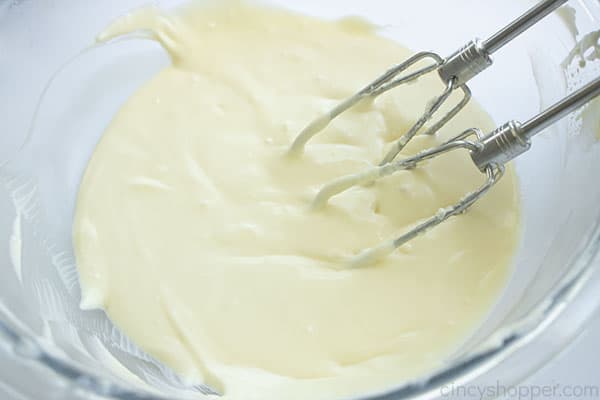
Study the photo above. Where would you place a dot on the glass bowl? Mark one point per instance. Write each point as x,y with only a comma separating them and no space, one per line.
59,93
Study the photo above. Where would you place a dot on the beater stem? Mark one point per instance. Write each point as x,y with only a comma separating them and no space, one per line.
512,139
476,56
561,109
521,24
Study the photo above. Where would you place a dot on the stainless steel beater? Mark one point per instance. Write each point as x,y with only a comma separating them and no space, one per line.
455,72
489,152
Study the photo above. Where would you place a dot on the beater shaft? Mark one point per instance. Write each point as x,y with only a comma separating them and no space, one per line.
474,57
561,109
513,138
521,24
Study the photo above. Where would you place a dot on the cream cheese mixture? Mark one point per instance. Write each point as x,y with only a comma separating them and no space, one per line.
194,231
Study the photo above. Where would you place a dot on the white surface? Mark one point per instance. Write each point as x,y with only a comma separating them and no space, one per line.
576,366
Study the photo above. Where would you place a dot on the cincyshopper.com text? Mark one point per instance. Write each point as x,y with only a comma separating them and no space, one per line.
523,392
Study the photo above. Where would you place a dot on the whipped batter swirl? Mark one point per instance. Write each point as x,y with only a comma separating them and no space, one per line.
194,230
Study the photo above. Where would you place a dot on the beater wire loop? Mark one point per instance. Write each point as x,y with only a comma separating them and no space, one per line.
391,79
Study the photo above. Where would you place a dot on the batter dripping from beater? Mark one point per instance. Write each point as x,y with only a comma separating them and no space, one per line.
194,229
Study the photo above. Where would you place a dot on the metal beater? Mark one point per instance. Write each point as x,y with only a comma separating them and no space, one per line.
489,152
455,72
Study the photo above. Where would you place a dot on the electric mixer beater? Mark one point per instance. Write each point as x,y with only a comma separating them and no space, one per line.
489,152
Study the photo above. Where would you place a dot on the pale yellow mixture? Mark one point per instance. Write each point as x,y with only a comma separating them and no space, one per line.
194,230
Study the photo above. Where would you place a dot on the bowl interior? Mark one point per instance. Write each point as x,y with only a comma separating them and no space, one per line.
40,292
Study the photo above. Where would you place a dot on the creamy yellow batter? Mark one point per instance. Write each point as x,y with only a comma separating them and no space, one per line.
194,229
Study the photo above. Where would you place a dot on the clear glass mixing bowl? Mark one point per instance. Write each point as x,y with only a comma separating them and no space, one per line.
49,347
